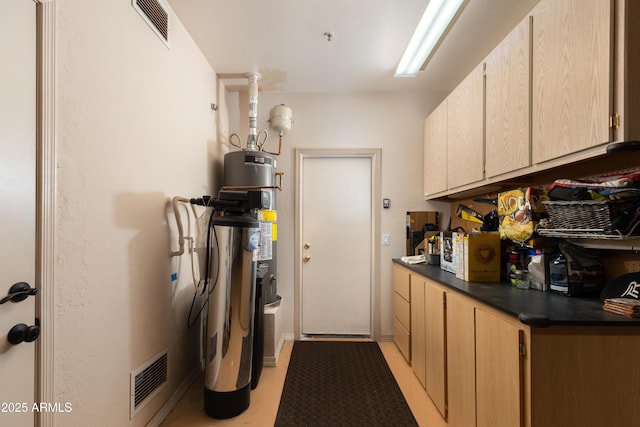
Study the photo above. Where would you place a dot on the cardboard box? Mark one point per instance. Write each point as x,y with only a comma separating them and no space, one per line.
446,252
459,256
416,220
423,246
414,239
482,257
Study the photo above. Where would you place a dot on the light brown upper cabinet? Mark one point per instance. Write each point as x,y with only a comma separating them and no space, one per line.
572,94
561,86
507,103
465,131
435,151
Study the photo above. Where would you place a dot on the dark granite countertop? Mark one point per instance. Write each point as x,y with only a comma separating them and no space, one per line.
532,307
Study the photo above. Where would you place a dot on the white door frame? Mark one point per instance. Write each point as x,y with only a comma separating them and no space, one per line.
45,204
375,154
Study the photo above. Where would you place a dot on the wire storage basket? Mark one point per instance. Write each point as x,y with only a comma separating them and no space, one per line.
585,218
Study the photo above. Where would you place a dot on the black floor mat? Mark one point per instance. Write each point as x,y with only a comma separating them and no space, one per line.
340,383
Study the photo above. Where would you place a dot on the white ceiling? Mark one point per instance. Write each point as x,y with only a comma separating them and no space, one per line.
284,41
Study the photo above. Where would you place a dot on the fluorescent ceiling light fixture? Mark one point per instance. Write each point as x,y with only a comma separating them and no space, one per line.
435,20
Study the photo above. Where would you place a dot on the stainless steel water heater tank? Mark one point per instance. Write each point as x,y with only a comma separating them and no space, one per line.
229,343
258,169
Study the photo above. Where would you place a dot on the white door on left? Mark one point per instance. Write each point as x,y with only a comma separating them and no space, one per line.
17,209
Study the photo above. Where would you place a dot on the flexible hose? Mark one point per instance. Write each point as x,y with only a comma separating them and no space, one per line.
207,288
264,140
176,212
239,144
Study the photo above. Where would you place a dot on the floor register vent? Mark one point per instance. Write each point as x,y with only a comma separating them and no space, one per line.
147,381
156,15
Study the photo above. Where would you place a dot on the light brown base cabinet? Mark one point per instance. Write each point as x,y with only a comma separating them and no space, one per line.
428,350
461,360
484,367
402,310
540,377
499,369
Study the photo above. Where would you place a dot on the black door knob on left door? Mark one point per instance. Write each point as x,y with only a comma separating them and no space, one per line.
19,292
23,333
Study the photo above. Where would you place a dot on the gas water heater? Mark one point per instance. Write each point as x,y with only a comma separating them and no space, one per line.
254,168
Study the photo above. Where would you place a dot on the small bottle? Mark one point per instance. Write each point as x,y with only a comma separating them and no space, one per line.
522,279
558,274
515,262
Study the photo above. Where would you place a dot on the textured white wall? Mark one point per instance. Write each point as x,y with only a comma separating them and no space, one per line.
134,128
392,122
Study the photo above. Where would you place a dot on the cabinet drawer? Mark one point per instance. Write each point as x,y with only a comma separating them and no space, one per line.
402,310
402,281
402,338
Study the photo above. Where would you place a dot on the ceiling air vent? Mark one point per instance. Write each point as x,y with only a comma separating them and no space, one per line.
147,381
156,15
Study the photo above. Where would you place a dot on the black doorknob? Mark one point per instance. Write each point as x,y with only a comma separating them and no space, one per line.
23,333
19,292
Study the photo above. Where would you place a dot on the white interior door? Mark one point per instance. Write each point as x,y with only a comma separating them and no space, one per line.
336,232
17,210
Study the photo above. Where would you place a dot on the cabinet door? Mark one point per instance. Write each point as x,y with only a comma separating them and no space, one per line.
507,100
435,151
418,328
499,372
461,361
465,131
401,280
402,298
572,79
435,348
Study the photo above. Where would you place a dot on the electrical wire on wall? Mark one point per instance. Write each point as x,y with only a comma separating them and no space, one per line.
207,288
199,250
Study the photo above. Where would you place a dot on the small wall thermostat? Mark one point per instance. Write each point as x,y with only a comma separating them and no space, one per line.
386,203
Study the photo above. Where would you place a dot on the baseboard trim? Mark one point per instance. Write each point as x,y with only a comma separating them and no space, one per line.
272,361
386,338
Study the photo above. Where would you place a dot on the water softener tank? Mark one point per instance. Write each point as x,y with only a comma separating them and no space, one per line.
229,343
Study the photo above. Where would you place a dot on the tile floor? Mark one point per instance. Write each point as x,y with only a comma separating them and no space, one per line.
266,397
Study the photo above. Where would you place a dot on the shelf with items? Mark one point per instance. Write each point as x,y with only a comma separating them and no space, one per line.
619,244
609,224
594,239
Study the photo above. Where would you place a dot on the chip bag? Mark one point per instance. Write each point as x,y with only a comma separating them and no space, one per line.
519,211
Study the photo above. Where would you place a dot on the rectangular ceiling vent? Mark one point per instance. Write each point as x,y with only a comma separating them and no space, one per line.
147,381
155,15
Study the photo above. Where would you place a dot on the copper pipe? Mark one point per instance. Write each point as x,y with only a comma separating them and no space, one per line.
279,147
